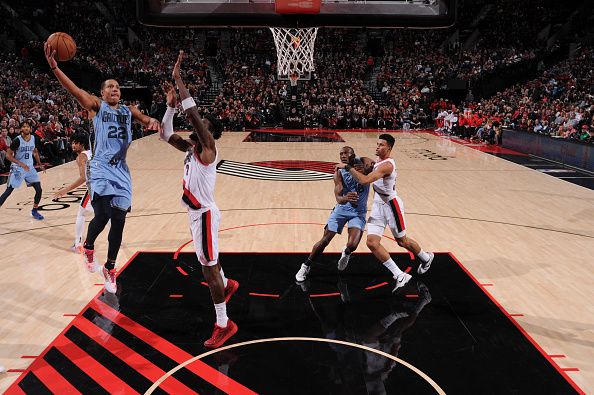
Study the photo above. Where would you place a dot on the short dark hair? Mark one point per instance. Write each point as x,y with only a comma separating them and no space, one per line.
26,121
81,138
388,138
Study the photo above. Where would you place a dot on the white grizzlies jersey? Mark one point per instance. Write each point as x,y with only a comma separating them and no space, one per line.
385,187
199,182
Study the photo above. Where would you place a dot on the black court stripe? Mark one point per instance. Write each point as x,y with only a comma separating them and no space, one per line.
399,225
115,365
293,174
272,171
205,232
75,376
150,353
31,384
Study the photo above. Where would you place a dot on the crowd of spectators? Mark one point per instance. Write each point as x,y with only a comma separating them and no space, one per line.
408,78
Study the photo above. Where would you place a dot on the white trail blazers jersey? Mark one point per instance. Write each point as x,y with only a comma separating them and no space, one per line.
385,187
199,182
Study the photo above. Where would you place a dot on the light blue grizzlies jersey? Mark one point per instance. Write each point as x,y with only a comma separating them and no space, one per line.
25,151
349,184
112,134
107,171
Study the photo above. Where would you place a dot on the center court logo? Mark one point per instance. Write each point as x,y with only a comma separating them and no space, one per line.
282,170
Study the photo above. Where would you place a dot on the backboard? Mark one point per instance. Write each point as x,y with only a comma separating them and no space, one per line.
298,13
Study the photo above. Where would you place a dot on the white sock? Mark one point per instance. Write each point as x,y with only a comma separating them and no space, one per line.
423,256
221,310
391,266
223,277
79,226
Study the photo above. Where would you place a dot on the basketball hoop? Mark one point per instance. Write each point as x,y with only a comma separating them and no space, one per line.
294,50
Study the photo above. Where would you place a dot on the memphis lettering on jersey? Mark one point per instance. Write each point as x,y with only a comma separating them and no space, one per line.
26,148
121,119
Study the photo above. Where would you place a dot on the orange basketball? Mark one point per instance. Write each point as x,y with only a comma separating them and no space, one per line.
64,46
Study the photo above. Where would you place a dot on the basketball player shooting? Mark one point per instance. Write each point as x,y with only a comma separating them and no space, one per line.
198,197
110,183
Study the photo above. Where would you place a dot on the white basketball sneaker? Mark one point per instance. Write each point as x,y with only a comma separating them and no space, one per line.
401,280
424,266
110,280
344,260
302,273
90,260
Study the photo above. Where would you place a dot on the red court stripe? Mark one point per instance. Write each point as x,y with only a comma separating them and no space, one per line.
179,269
16,370
487,285
519,327
99,284
570,369
29,356
35,363
106,379
180,248
265,295
556,356
412,296
412,256
15,390
516,315
206,372
71,315
324,295
176,296
53,380
130,357
408,269
376,286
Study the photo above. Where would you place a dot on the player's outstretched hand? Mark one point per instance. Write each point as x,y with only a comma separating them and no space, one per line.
154,125
177,67
59,194
169,91
50,55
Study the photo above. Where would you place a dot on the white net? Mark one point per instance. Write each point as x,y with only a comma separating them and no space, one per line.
294,49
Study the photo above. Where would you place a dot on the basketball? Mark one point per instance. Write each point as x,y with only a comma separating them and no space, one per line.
64,46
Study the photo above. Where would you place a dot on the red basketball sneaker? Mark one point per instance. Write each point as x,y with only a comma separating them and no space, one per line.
230,289
221,335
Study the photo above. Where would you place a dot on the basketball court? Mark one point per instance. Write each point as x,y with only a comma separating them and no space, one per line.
505,307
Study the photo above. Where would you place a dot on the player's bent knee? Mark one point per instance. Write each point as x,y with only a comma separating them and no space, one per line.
372,244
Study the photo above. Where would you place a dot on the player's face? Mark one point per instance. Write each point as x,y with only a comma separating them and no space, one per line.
382,149
76,147
111,92
346,155
26,129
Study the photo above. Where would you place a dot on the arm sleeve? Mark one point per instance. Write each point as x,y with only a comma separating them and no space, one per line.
168,123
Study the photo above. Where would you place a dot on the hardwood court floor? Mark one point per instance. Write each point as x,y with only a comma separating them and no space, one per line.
528,234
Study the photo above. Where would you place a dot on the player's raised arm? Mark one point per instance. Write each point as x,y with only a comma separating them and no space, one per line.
204,136
85,99
167,133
